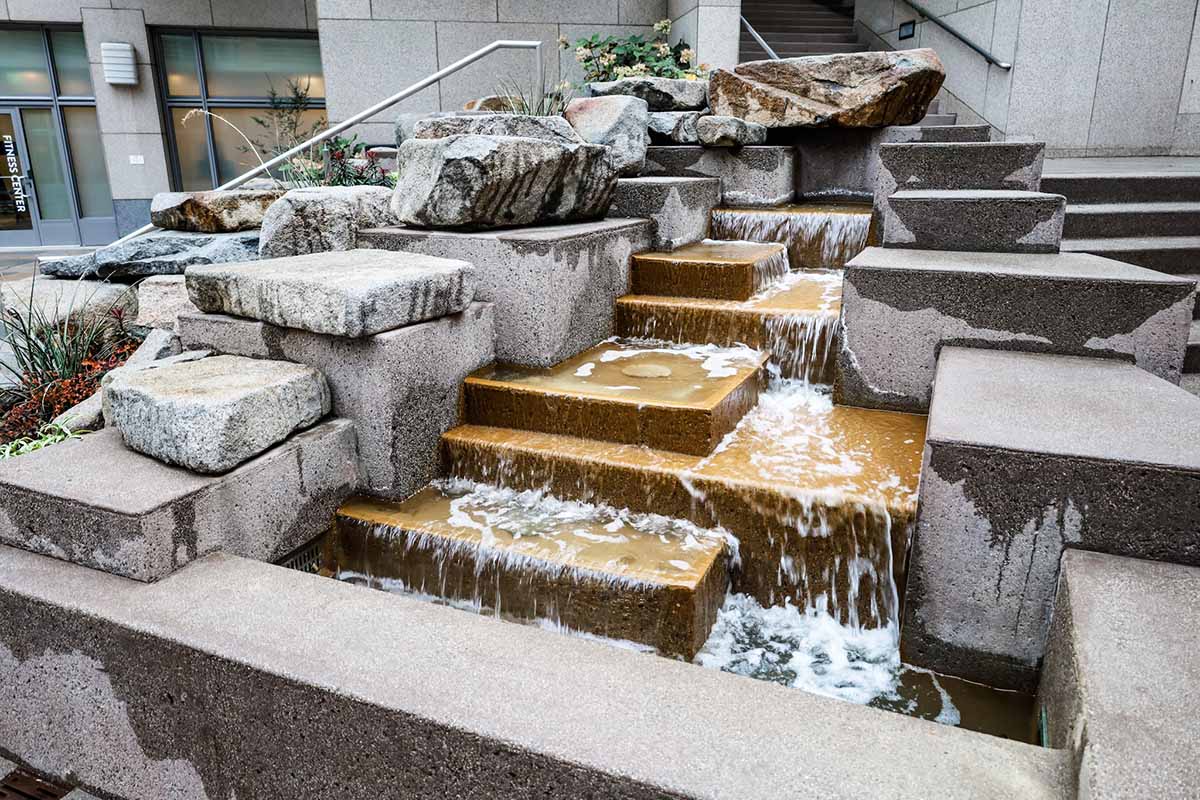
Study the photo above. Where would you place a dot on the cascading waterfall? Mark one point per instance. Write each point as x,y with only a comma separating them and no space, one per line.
817,235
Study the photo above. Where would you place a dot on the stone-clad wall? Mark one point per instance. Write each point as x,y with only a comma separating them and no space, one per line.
403,41
1100,78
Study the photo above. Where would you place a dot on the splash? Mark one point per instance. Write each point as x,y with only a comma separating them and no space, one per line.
817,235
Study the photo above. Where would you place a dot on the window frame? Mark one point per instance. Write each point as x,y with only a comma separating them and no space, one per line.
204,100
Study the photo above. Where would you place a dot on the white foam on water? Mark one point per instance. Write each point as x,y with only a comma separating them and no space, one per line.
716,361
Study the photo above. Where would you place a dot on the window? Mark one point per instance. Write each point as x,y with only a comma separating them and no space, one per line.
233,101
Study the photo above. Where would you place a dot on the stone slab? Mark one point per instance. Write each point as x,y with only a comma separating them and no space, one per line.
679,207
1119,664
899,307
212,414
320,219
553,286
388,692
157,253
1027,455
750,176
95,502
401,388
60,299
161,299
991,221
212,212
660,94
353,293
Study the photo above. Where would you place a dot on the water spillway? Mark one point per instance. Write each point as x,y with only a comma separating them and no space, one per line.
817,235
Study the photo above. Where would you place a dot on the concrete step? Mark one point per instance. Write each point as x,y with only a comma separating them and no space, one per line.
817,234
997,221
1124,187
933,120
802,35
679,207
1110,633
722,270
1195,279
1170,254
900,306
999,424
1116,220
818,496
941,133
755,175
816,49
966,165
795,322
683,399
638,578
1191,362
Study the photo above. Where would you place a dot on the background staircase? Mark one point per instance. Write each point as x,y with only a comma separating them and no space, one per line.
800,28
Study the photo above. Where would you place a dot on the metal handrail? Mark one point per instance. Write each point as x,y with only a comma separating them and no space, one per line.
991,59
761,41
383,105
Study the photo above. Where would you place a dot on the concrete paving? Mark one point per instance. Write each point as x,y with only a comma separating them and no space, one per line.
1119,683
237,678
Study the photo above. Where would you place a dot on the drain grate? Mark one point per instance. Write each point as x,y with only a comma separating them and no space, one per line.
22,785
306,559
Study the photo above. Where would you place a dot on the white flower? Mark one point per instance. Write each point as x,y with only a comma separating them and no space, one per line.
663,26
687,55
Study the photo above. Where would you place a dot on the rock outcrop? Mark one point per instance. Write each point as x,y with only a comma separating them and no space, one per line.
660,94
674,127
846,90
618,122
322,219
475,182
716,131
212,212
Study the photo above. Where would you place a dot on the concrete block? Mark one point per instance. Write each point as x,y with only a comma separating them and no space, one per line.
1026,455
679,207
196,687
962,165
1118,656
212,414
974,220
400,388
750,176
353,293
899,307
95,502
553,286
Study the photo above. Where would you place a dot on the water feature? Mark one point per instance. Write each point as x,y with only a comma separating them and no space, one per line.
818,235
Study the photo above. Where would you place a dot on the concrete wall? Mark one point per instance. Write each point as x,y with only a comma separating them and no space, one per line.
711,27
403,41
1089,77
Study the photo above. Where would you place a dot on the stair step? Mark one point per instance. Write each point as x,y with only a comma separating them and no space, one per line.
985,220
796,322
716,269
817,49
1195,279
933,120
1123,187
640,578
818,235
777,38
1191,362
658,395
812,491
754,175
963,165
768,29
944,133
1104,220
1171,254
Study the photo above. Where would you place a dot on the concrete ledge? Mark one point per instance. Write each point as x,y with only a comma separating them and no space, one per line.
236,678
553,286
1120,667
402,388
1026,455
750,176
95,502
679,207
900,306
982,220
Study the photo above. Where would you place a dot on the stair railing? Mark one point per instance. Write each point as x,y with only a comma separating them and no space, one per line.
383,105
761,41
950,29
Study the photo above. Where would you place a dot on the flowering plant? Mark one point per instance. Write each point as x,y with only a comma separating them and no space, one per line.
611,58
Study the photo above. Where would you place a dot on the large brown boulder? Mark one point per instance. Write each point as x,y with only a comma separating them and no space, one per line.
226,211
845,90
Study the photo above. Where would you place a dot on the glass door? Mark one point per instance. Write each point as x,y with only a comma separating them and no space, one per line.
18,221
52,201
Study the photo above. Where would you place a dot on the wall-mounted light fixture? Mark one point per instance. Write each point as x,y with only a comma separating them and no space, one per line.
907,30
120,67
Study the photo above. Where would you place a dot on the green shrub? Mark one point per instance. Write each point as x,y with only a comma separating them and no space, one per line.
611,58
47,435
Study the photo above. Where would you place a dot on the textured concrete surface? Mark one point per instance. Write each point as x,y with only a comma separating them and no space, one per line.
750,176
1121,673
963,165
980,220
401,388
353,293
1026,455
212,414
553,286
900,306
65,501
158,691
679,207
